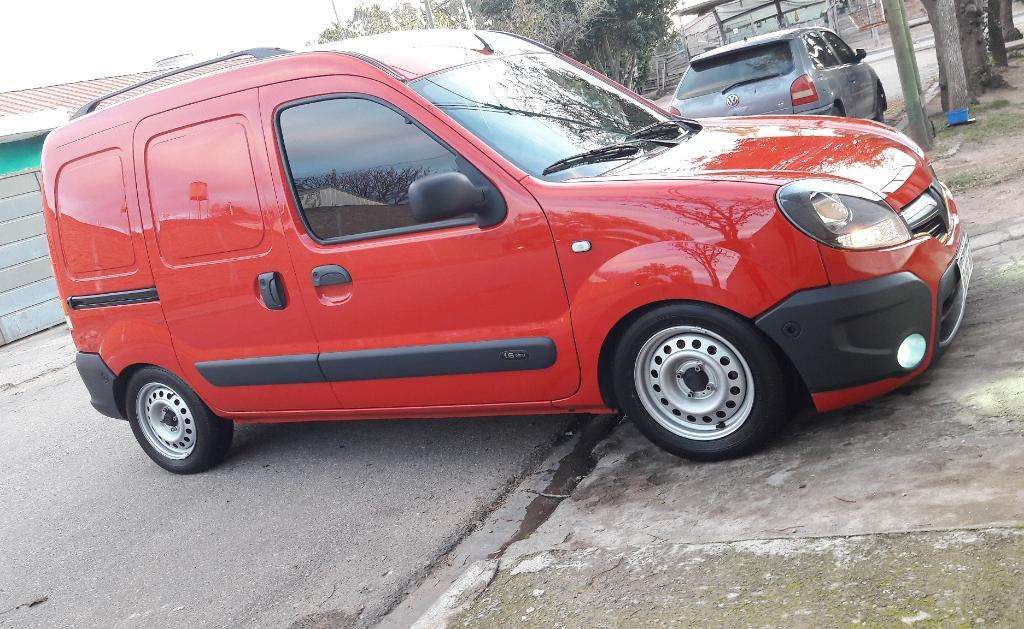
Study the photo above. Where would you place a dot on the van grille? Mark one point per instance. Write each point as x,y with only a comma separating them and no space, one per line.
928,214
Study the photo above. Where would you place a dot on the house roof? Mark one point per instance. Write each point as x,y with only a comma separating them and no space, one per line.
69,96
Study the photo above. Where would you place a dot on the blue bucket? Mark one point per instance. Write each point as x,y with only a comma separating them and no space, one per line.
956,117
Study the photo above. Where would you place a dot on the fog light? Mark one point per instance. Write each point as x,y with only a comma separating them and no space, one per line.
911,351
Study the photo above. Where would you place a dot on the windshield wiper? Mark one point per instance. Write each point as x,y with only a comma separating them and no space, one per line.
656,132
605,153
752,80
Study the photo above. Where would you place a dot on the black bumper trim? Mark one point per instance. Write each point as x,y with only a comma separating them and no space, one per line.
99,381
844,336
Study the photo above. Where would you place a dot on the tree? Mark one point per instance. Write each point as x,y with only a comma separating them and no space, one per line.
624,37
979,72
1010,32
616,37
561,24
952,75
996,45
372,19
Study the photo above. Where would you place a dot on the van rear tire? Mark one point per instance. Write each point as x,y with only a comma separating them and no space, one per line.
173,426
700,382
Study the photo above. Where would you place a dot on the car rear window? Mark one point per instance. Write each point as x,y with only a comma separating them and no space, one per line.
718,73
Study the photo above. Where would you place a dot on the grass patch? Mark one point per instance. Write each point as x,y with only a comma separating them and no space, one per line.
971,178
999,124
1001,103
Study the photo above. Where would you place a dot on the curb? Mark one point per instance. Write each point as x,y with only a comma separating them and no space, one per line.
459,596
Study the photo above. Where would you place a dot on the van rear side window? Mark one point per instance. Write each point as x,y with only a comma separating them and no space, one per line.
203,192
92,216
722,72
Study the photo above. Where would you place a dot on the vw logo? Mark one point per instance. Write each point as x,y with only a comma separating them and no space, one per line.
732,100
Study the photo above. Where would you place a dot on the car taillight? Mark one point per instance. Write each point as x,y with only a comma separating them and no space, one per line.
803,91
675,112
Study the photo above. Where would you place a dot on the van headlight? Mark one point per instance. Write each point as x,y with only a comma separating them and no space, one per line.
842,215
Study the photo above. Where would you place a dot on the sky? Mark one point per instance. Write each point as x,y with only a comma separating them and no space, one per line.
46,42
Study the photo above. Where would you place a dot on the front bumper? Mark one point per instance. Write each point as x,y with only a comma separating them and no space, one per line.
845,337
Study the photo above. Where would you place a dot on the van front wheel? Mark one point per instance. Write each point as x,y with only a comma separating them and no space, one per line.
173,425
700,382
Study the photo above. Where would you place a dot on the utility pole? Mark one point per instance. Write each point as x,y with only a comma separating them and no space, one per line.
917,70
337,20
428,8
470,20
906,64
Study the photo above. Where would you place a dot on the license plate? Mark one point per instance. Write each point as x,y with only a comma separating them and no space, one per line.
965,262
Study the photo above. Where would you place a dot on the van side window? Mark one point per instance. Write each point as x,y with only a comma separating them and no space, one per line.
819,51
351,162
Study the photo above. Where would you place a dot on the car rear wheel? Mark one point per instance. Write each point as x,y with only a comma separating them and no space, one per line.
700,382
173,425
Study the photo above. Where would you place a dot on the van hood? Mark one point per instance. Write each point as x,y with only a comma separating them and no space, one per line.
784,148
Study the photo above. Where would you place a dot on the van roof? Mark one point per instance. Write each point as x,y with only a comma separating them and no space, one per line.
413,54
400,55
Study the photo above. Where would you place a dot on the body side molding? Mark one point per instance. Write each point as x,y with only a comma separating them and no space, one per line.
415,361
119,298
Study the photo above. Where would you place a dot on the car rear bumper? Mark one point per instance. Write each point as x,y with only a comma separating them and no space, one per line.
817,111
844,340
99,381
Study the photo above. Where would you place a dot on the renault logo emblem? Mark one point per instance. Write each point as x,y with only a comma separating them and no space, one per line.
732,100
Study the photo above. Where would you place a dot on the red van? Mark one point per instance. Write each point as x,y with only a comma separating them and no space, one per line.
460,223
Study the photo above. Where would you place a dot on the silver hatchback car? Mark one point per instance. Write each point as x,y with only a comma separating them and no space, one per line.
796,71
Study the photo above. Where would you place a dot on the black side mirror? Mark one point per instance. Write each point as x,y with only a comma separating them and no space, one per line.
860,53
450,195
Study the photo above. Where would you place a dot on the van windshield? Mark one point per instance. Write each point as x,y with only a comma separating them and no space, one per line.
742,66
536,109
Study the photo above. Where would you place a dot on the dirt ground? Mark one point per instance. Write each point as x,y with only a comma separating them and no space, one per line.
905,510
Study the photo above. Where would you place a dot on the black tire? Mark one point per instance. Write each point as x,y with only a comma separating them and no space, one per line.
837,110
210,436
881,103
767,412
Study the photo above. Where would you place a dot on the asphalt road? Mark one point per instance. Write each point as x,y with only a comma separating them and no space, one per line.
884,64
304,525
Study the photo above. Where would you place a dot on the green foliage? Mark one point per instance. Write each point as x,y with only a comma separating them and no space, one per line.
372,19
625,36
616,37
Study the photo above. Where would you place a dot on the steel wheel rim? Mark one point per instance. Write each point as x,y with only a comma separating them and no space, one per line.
166,421
670,369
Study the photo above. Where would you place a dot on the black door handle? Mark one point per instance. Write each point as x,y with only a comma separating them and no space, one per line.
272,290
330,274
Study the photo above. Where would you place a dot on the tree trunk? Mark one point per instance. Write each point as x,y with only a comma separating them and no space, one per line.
1010,32
971,20
996,45
952,75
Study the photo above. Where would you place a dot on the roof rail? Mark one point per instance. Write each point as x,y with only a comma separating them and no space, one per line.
258,53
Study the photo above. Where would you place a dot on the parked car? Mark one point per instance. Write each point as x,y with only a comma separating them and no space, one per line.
452,224
796,71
